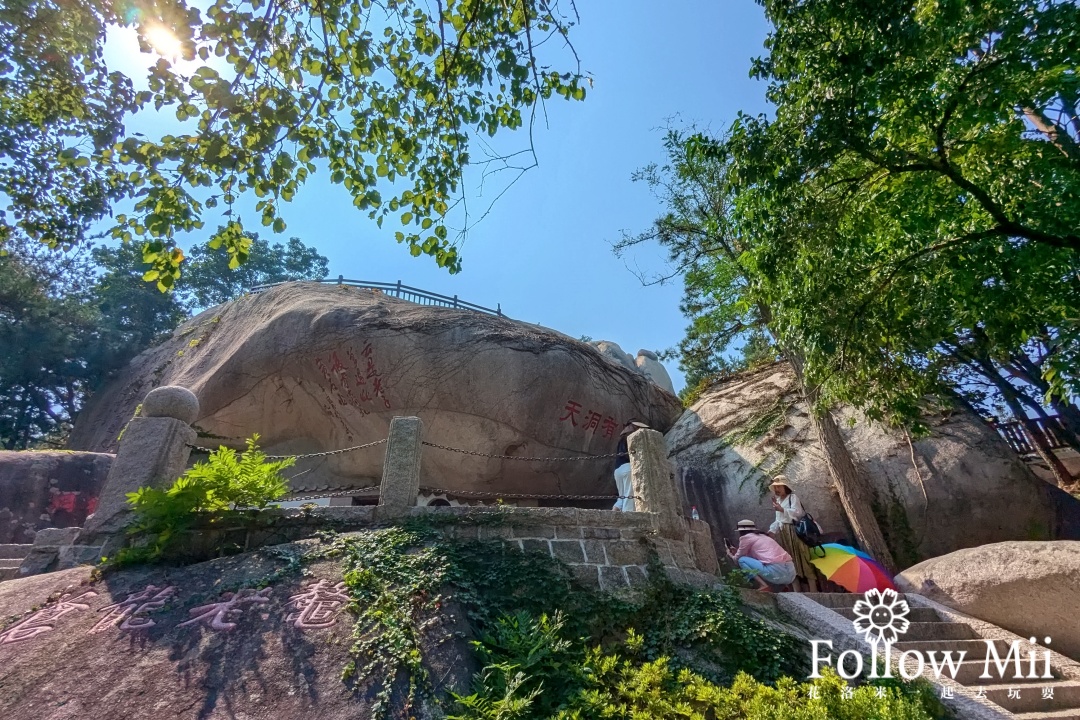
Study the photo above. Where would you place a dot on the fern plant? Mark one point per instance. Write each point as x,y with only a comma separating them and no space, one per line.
225,481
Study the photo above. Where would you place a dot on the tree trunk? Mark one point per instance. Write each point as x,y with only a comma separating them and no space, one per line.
1022,368
856,494
1012,399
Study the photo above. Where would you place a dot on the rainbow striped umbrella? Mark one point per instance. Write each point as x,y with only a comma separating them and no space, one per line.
851,569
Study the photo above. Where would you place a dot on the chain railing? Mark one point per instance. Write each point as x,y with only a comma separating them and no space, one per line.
307,456
523,496
316,495
518,457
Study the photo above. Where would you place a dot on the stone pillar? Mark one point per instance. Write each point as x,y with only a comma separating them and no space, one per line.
401,467
153,452
654,482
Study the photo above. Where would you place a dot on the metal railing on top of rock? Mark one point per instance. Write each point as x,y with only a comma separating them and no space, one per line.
402,292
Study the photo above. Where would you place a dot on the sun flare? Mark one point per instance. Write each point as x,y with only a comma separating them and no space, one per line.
164,42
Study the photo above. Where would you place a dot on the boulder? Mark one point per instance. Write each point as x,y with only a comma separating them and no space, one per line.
314,368
999,583
48,489
647,363
241,637
959,487
616,354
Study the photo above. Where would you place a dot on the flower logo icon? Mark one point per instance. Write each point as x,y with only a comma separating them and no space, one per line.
881,616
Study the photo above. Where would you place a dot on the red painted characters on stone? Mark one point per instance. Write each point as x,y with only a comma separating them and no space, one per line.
355,380
593,421
44,620
220,615
317,605
131,613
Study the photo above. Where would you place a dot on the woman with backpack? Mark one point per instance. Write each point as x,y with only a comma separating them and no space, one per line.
789,510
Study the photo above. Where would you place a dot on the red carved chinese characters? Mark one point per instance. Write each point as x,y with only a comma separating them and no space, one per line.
220,615
131,613
43,620
609,426
594,421
572,409
317,605
356,383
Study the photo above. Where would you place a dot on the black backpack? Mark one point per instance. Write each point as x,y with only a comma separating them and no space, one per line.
810,533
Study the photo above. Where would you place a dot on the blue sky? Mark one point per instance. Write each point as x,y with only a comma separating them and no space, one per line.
544,250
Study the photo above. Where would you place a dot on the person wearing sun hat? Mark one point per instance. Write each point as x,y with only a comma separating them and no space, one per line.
789,510
762,557
625,502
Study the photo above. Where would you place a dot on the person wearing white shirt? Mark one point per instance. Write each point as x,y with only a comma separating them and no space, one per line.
789,510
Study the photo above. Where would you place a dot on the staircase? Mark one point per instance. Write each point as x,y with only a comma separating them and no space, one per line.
11,556
1025,699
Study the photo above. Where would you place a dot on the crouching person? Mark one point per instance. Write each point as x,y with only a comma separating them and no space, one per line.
762,557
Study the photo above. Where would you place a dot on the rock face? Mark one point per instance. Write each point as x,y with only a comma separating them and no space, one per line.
47,489
154,643
312,368
647,362
960,487
997,583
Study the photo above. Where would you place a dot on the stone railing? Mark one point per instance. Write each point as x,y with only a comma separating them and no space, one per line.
606,545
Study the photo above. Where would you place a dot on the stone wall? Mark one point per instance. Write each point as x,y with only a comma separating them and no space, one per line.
604,549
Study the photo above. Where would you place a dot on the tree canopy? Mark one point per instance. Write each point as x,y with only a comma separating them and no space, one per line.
384,96
916,191
68,321
920,180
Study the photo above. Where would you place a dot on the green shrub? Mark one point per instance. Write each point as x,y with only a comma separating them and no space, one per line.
533,674
226,481
527,667
551,649
621,688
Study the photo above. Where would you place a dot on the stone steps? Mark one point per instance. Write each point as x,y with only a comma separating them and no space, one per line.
974,648
933,635
17,552
836,600
915,615
1066,697
937,631
1053,715
970,670
11,557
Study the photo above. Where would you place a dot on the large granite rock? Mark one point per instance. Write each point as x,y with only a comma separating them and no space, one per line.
315,367
48,489
167,643
959,487
647,362
1029,588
